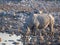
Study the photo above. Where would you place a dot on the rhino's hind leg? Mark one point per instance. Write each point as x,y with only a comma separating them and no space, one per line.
52,30
52,24
44,29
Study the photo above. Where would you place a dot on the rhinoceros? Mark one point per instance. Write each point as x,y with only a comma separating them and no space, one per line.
40,21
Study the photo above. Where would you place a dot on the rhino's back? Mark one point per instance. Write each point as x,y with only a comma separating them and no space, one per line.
43,20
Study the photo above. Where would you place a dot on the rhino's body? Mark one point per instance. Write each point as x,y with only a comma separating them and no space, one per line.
40,21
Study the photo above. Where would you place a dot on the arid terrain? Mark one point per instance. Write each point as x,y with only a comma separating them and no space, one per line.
13,16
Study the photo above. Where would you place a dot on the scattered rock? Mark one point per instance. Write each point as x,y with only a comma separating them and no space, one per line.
3,43
11,40
12,33
17,43
5,40
48,43
41,38
18,39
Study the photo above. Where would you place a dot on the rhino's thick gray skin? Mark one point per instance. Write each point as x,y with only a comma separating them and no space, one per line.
40,21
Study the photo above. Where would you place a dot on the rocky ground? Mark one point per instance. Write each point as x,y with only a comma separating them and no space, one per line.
12,28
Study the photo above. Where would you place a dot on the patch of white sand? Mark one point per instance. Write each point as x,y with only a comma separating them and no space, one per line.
9,40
